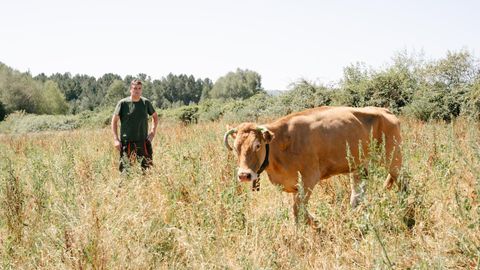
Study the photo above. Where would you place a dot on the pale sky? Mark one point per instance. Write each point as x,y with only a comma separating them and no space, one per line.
281,40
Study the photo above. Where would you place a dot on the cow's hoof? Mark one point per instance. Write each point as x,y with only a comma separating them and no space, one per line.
312,222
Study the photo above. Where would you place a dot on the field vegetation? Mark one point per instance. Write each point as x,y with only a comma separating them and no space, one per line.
66,206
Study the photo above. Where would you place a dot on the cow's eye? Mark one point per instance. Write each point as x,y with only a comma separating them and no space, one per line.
257,147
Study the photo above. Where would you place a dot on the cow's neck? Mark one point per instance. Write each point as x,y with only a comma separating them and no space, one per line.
256,182
266,161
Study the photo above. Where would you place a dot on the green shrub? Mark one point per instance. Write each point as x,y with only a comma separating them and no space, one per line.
187,114
435,103
211,110
471,106
260,105
95,118
304,95
20,122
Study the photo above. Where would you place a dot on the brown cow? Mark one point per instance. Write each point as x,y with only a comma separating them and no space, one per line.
313,143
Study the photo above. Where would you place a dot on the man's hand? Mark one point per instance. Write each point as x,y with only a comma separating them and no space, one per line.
117,144
116,141
151,135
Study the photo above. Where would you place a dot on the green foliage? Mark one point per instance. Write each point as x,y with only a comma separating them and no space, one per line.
207,88
95,119
62,195
116,91
52,101
241,84
434,104
187,114
178,90
441,89
438,89
391,88
252,109
72,88
18,91
354,86
445,88
20,122
472,103
211,110
304,95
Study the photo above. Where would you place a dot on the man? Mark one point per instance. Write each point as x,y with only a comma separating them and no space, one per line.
134,141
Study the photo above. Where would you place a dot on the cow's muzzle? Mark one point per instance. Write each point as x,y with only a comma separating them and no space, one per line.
249,176
246,175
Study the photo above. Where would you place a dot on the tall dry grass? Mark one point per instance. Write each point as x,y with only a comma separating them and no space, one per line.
65,206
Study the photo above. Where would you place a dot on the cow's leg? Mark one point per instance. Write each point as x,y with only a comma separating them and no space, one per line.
391,179
395,154
300,211
357,190
300,202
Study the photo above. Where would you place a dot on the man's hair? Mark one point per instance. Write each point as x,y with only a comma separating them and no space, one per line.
135,82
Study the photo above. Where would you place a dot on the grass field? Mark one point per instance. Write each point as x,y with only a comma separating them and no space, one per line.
66,206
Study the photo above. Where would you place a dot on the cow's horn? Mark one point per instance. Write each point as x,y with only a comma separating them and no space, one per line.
225,138
262,129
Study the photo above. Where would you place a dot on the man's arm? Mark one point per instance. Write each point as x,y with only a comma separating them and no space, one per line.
116,141
152,133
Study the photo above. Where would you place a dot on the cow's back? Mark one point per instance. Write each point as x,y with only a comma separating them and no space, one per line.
320,136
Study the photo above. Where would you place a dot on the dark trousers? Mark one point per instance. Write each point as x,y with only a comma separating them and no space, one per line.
132,150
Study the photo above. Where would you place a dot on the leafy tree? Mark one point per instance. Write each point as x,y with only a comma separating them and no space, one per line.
355,86
445,87
392,89
207,86
241,84
18,91
455,71
88,99
116,91
188,114
41,77
472,106
178,89
103,83
52,100
69,86
128,79
303,95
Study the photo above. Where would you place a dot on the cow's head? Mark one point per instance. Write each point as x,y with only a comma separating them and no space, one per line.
249,146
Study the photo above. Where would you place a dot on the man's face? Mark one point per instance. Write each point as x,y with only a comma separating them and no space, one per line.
136,90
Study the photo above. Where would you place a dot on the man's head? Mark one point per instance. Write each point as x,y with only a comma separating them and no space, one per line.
136,89
249,145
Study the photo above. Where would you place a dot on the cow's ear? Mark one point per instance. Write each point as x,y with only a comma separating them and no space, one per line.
268,136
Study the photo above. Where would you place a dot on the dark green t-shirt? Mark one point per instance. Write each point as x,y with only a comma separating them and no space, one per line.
134,118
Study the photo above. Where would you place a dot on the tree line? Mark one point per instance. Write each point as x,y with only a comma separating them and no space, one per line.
425,89
440,89
72,94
